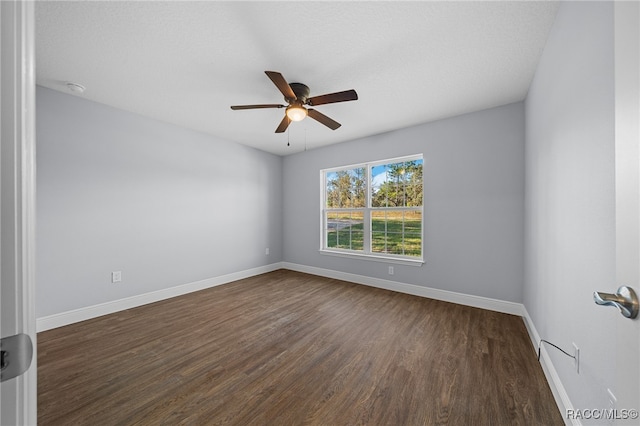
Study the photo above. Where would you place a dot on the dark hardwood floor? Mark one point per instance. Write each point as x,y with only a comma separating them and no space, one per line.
287,348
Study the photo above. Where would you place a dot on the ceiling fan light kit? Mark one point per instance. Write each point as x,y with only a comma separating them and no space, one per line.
297,95
296,112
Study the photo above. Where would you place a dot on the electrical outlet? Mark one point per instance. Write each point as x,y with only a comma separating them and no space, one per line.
116,276
576,359
390,270
266,251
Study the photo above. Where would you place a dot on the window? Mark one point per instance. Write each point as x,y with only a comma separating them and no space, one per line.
374,209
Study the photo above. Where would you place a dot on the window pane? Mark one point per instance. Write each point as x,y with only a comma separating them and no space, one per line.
413,233
346,188
396,232
345,230
397,184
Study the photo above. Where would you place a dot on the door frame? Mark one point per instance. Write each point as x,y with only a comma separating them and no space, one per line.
627,176
18,396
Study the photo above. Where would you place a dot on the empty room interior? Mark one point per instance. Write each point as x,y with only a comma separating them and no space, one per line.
420,246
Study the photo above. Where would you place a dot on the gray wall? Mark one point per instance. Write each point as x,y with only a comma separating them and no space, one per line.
570,222
164,205
474,202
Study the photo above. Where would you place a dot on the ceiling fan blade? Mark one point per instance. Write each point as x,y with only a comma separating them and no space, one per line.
318,116
237,107
283,124
281,84
331,98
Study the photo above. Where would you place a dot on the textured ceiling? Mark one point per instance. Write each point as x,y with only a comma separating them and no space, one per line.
187,62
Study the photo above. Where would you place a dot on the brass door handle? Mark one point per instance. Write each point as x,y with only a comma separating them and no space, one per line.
625,299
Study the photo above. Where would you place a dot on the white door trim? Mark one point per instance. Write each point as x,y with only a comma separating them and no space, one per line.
17,123
627,141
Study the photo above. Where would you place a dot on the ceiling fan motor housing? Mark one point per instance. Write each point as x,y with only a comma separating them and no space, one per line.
301,91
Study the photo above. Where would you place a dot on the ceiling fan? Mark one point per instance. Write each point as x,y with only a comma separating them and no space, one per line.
297,96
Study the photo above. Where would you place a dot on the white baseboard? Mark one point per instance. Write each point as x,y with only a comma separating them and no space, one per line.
558,390
416,290
82,314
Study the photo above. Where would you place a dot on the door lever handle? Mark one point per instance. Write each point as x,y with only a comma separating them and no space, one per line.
625,299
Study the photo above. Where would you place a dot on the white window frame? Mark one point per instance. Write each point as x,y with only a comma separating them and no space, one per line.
367,253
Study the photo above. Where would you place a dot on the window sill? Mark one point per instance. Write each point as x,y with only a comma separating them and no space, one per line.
374,258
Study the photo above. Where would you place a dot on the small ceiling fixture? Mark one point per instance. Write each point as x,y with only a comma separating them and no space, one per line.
75,87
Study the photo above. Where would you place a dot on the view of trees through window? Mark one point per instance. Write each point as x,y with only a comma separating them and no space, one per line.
385,219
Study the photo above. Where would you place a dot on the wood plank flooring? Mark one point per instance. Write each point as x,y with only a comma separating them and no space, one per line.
286,348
